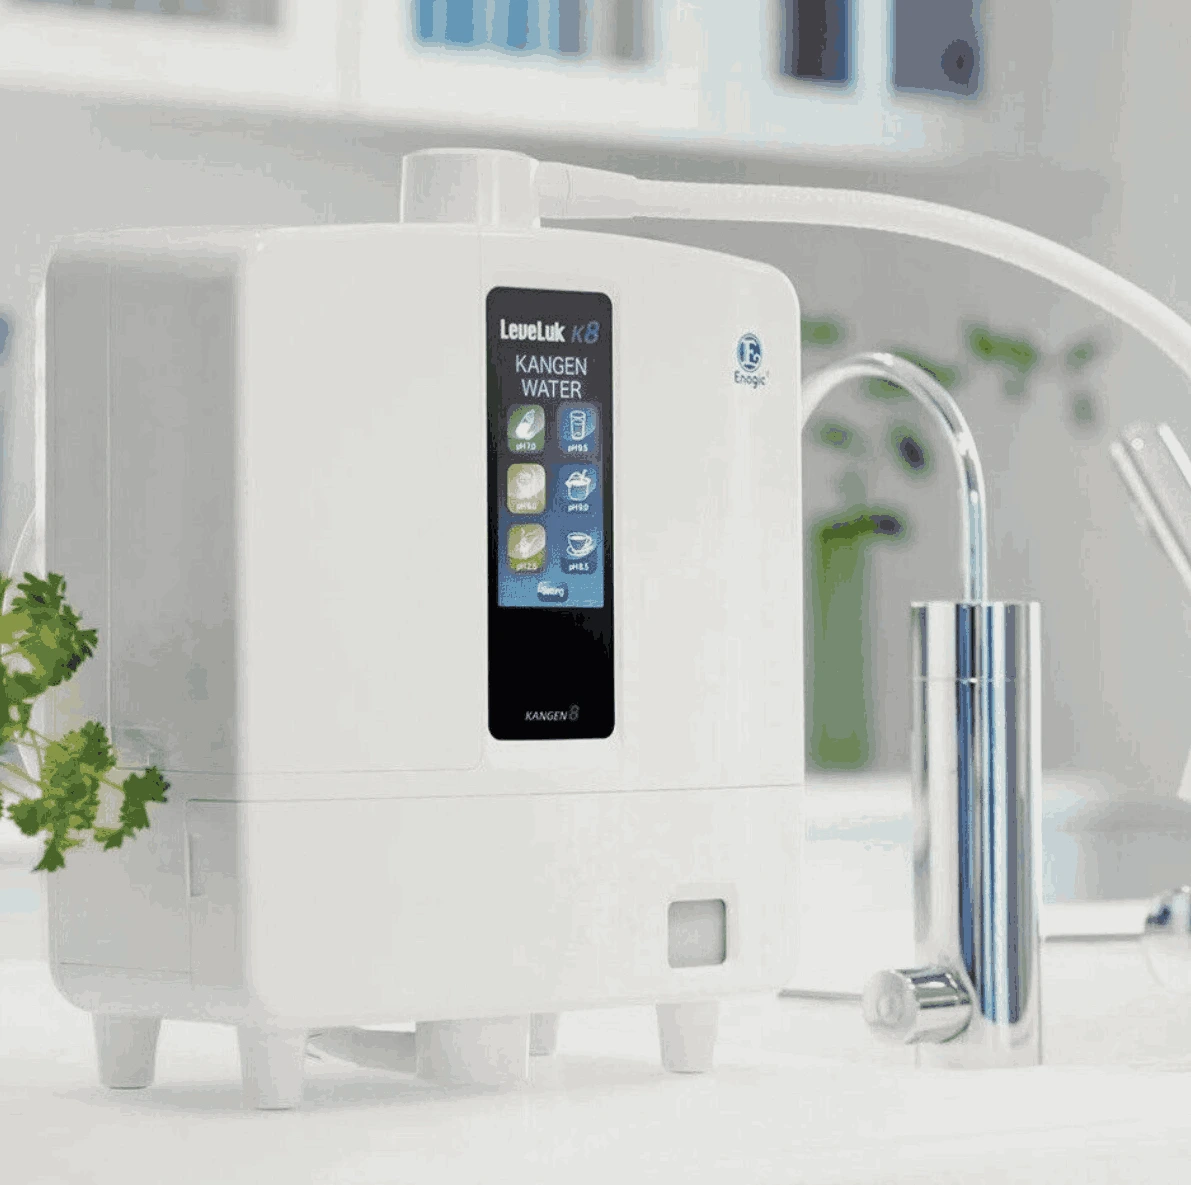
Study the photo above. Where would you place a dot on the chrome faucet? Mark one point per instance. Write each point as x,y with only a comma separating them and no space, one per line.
974,1000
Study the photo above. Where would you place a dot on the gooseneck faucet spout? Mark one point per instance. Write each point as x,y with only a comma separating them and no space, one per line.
936,398
975,773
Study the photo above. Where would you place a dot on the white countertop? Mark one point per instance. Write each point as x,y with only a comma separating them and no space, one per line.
800,1093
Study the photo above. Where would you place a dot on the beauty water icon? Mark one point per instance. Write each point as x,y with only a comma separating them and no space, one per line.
526,489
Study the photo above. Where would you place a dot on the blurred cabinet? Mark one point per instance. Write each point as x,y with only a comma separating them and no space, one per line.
850,79
648,70
247,52
594,68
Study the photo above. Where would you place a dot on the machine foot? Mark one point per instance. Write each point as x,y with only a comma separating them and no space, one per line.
127,1049
687,1033
271,1065
543,1033
489,1052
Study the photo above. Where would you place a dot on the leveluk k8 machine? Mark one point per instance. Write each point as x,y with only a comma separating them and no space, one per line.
451,572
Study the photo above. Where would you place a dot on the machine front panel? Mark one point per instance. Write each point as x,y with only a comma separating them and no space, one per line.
550,548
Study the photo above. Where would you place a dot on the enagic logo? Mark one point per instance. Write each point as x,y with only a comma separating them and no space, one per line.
532,331
748,362
571,713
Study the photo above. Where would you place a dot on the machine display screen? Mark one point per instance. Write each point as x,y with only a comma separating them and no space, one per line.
549,495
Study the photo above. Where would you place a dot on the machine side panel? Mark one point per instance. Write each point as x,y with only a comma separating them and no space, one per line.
77,305
362,461
213,885
139,379
173,367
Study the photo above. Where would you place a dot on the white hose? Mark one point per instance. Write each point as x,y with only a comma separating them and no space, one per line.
378,1049
570,192
26,753
11,570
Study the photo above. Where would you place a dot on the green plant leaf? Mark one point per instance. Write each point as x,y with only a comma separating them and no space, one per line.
821,331
1081,354
72,773
53,643
837,435
44,631
1014,353
12,624
140,789
838,725
26,814
53,857
13,709
1084,411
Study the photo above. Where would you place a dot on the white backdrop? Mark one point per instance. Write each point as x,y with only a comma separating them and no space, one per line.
1097,163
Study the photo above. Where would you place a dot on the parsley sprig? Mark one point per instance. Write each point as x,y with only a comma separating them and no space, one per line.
42,644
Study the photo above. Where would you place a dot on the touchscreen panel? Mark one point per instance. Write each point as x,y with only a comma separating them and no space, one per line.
550,513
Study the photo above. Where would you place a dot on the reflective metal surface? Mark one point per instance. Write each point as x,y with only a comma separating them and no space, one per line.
935,398
975,780
1156,470
926,1004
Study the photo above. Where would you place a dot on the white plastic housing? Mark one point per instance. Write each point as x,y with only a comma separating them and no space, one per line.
260,444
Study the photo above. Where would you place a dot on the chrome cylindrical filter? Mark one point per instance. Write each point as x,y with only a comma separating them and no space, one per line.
974,999
976,779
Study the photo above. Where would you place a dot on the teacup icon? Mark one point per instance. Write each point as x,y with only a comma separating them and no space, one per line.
579,485
579,545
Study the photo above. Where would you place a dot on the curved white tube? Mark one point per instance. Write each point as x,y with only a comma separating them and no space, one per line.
25,541
570,192
378,1049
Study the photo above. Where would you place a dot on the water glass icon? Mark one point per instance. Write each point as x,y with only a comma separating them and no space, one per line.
578,428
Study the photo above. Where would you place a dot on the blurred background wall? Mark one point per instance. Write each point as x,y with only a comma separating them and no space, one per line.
1068,126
